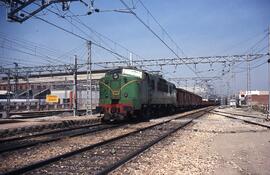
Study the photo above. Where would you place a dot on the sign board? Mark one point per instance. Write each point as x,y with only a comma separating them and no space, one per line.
52,98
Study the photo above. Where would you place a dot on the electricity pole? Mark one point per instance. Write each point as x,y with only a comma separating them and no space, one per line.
65,101
268,73
130,59
75,88
8,95
16,79
228,92
248,85
28,94
89,80
268,115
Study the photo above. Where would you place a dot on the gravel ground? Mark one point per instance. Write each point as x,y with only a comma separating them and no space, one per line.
243,111
42,121
23,157
19,158
213,145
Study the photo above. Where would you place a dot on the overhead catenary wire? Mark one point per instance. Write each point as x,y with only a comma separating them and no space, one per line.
250,48
261,39
240,43
96,33
37,50
148,11
28,53
77,35
237,66
32,53
259,51
165,32
103,36
157,36
140,1
118,57
30,44
21,61
253,67
257,43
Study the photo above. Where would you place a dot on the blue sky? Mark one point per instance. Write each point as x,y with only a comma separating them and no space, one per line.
200,27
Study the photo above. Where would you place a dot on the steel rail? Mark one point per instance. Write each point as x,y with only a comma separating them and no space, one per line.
244,120
37,114
16,146
145,147
46,133
42,163
242,115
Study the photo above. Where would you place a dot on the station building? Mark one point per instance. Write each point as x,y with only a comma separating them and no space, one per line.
31,94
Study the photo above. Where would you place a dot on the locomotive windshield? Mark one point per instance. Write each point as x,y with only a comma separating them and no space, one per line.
118,71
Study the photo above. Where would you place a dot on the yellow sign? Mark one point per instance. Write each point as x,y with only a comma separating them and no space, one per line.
52,98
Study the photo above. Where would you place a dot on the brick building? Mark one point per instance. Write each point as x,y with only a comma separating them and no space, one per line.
256,97
259,99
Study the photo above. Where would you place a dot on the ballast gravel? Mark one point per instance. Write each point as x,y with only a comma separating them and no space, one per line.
22,157
19,158
212,145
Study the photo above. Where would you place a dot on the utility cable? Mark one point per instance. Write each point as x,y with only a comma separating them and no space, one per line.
182,51
77,35
157,36
33,54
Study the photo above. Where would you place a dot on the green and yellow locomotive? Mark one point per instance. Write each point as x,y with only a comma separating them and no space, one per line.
130,92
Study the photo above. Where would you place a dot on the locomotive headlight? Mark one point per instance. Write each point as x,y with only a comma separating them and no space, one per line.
115,76
126,94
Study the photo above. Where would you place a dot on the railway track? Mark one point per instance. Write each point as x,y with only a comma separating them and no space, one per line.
105,156
46,113
248,116
234,116
50,136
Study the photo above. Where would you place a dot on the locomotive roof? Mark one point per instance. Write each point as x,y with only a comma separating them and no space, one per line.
117,70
